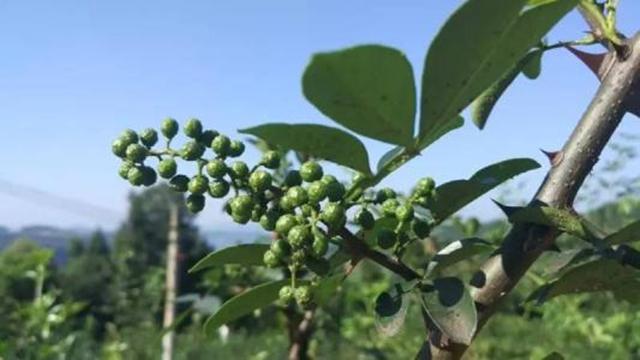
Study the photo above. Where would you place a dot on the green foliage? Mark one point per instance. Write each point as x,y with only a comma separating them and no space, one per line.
244,254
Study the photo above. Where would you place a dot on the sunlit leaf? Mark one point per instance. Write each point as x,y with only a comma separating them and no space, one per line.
244,254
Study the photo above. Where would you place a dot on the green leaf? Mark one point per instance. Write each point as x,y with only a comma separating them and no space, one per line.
244,303
458,251
326,288
595,276
560,219
479,43
629,233
244,254
454,195
451,309
320,141
554,355
368,89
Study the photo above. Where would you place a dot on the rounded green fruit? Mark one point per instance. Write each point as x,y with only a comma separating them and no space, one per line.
335,191
404,212
386,238
389,207
421,228
193,128
179,183
320,244
317,192
260,181
271,159
150,176
241,218
123,171
218,188
149,137
293,178
236,148
216,168
136,176
199,184
220,145
385,194
119,147
195,203
136,153
333,215
425,186
298,196
242,205
167,168
239,170
269,219
192,150
299,236
298,258
303,295
311,171
280,248
129,137
285,223
286,294
169,128
365,219
207,137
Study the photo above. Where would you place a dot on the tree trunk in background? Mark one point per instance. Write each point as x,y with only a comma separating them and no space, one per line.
300,330
171,283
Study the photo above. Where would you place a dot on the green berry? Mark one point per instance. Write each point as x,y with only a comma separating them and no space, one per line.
236,148
136,153
256,212
335,191
195,203
169,128
385,194
136,176
333,215
271,159
303,295
311,171
179,183
298,236
421,228
193,128
124,170
241,218
270,259
199,184
241,205
328,179
280,248
317,192
404,212
220,145
260,181
386,238
293,178
298,195
308,210
216,168
129,137
268,219
207,137
298,258
192,150
365,219
150,176
285,223
119,147
149,137
425,186
286,294
167,168
218,188
320,244
239,170
286,204
389,207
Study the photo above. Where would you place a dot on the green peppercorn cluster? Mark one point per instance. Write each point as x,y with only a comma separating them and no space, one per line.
306,208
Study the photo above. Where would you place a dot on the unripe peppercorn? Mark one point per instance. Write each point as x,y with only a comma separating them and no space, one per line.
239,170
425,186
421,228
268,220
298,196
198,184
386,238
260,181
193,128
192,150
404,212
298,236
150,176
320,244
384,194
167,168
241,205
271,159
303,295
280,248
169,128
136,153
195,203
270,259
285,223
298,258
179,183
286,204
123,171
365,219
286,294
129,137
241,218
389,207
317,192
216,168
293,178
218,188
333,215
220,145
149,137
236,148
335,191
308,210
311,171
136,176
119,147
207,137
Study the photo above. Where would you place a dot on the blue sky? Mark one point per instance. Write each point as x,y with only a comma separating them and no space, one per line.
73,74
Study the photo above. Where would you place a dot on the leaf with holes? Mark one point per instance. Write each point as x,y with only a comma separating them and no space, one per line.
244,254
368,89
320,141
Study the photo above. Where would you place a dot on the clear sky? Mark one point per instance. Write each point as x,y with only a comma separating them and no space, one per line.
73,74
